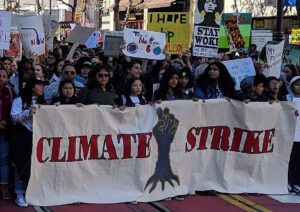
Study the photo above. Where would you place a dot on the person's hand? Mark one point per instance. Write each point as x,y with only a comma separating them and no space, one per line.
32,111
79,105
158,101
123,45
3,125
57,104
227,99
122,108
247,101
297,113
195,99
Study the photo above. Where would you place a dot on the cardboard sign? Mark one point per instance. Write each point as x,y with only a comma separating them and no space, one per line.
235,31
15,45
291,54
274,59
144,44
5,23
261,37
207,28
176,25
84,36
32,34
295,36
112,46
48,31
240,69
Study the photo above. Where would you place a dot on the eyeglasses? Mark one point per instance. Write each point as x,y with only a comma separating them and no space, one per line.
103,75
69,72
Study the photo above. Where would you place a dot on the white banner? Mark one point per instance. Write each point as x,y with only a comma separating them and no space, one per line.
32,34
144,44
274,59
5,23
207,27
149,153
240,69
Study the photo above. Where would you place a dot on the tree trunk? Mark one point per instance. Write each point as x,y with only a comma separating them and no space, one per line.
116,15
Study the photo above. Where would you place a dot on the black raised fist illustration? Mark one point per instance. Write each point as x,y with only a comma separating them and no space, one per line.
164,132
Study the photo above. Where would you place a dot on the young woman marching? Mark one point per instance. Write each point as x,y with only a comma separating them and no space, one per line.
22,112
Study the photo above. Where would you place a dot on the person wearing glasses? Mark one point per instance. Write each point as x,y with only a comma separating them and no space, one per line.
99,89
68,72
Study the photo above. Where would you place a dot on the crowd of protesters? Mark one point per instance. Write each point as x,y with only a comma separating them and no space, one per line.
82,76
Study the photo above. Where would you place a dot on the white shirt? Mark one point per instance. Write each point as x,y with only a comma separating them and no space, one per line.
20,115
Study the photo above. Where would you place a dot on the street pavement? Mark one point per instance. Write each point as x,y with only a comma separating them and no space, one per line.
220,202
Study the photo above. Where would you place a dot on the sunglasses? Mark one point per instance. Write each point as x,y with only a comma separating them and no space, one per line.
103,75
69,72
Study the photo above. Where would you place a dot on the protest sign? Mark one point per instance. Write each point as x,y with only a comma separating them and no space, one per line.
235,31
274,59
48,32
207,28
260,38
15,44
32,34
176,25
291,54
84,36
5,23
112,46
144,44
149,153
295,36
240,69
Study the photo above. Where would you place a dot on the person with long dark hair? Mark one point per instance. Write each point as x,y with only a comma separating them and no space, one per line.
57,72
66,91
215,83
169,88
133,95
6,97
23,109
99,89
210,11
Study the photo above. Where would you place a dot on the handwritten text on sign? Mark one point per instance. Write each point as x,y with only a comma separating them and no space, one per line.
173,24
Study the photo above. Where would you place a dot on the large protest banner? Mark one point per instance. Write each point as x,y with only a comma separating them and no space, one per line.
32,33
176,25
144,44
149,153
291,54
207,27
240,69
5,23
274,53
235,31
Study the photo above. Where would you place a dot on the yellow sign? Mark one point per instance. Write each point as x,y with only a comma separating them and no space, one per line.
295,36
176,25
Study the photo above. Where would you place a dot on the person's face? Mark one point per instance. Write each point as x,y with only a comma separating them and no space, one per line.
288,72
27,73
68,90
38,72
85,71
69,73
135,71
6,64
95,61
274,86
136,87
50,60
258,89
13,67
210,6
296,87
102,77
3,77
183,81
110,62
214,72
38,89
59,66
173,81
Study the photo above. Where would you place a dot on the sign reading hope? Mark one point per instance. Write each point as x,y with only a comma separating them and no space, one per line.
173,24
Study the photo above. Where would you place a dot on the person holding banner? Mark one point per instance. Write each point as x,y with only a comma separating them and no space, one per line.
169,88
215,83
6,97
23,109
99,89
66,93
133,94
186,83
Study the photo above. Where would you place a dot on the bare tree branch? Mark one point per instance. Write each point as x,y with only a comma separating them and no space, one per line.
69,5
